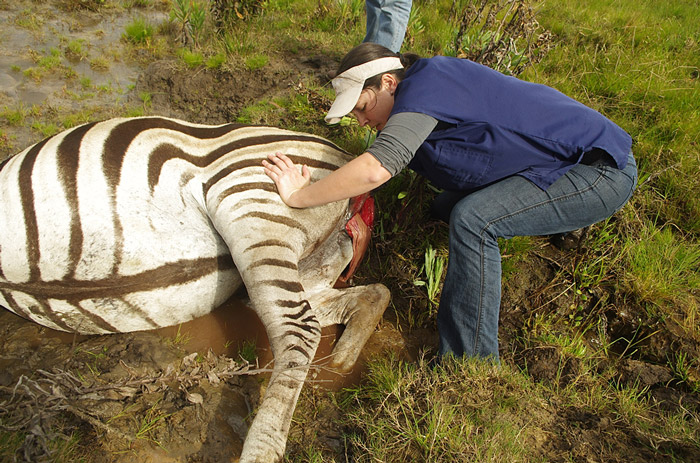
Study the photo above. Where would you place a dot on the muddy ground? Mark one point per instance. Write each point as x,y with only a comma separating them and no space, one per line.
186,394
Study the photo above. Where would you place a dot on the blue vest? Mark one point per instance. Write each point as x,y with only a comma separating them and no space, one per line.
498,126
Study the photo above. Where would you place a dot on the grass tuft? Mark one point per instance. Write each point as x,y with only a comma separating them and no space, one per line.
138,31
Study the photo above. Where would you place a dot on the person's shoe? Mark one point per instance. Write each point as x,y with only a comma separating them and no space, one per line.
569,241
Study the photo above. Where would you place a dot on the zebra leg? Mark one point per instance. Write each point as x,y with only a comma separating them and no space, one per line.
271,276
358,308
294,334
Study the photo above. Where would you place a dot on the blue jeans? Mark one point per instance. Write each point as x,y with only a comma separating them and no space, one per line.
471,296
387,21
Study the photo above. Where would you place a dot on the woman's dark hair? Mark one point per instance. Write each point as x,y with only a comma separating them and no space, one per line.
366,52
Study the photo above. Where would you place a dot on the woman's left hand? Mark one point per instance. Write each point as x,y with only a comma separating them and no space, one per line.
286,176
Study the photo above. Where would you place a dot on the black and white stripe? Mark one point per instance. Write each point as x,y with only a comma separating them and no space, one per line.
133,224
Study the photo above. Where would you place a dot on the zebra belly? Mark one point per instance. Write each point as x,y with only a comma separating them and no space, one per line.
170,295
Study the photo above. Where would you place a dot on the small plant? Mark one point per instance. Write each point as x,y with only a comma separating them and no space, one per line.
99,63
76,50
105,88
216,61
256,62
125,411
192,59
248,351
258,113
501,34
153,420
46,130
137,3
433,267
15,116
94,358
29,20
238,44
134,111
51,60
350,10
138,32
227,12
33,73
180,339
85,82
513,251
198,15
146,97
685,370
191,16
45,63
596,265
78,118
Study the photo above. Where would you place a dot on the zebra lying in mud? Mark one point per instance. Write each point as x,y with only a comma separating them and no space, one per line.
135,224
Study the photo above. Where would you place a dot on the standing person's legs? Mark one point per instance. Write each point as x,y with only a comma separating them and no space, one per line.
471,295
387,21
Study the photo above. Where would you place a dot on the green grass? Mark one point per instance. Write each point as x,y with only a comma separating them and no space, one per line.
76,49
46,129
257,62
637,64
152,421
138,31
15,116
513,251
463,411
28,19
192,59
663,272
248,351
50,61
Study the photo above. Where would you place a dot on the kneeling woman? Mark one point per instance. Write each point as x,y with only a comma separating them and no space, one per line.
514,158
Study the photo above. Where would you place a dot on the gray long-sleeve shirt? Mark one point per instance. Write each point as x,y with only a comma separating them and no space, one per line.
401,137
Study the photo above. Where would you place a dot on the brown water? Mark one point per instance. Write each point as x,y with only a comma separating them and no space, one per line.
225,331
228,328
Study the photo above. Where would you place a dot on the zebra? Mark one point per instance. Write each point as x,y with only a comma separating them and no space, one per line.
138,223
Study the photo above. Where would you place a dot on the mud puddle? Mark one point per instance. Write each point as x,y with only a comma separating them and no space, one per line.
59,60
234,331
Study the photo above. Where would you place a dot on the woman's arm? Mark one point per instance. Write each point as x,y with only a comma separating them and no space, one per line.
362,174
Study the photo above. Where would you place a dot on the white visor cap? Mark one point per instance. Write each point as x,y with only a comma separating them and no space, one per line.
348,85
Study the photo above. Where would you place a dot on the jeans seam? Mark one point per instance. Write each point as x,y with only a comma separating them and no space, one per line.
477,334
548,201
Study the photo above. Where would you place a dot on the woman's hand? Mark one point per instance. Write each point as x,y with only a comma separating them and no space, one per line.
286,176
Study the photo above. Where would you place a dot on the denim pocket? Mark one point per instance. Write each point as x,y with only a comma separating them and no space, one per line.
466,167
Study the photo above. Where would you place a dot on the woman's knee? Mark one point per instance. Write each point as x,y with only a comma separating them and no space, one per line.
468,217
